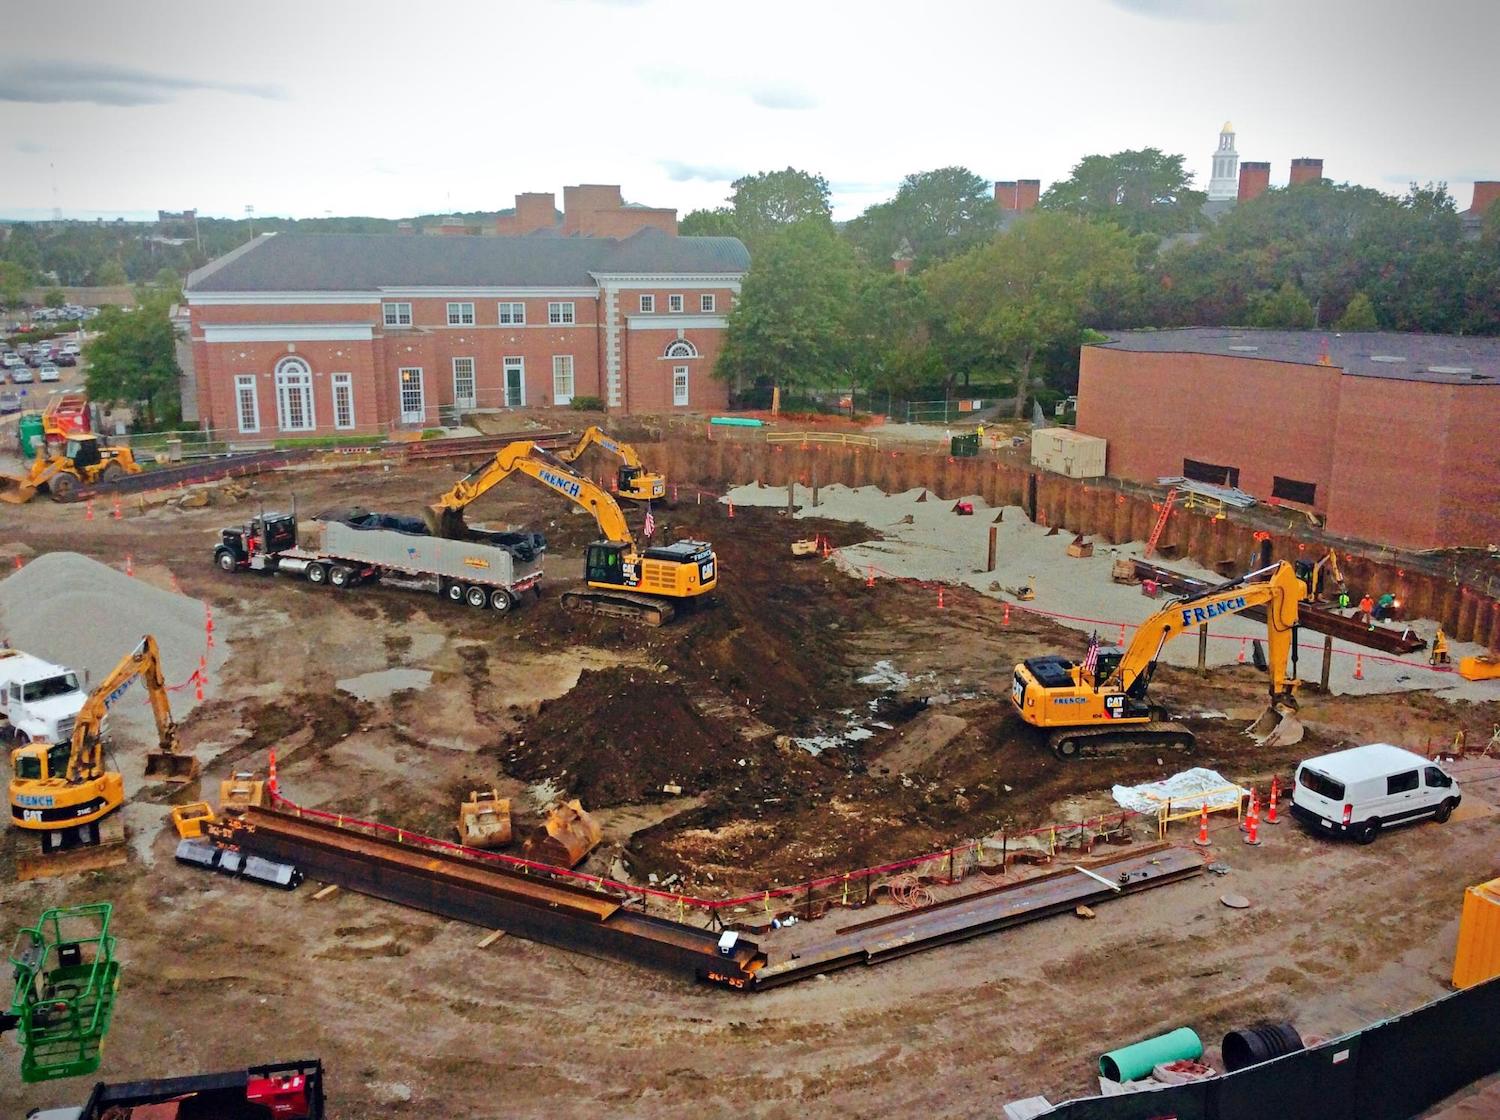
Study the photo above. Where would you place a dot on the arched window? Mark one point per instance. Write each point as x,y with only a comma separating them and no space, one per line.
682,348
294,396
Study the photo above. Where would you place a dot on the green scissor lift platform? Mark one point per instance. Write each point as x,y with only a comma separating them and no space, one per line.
65,980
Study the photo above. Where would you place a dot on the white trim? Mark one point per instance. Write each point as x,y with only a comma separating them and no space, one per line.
510,305
634,280
290,332
692,351
222,299
396,305
465,307
490,293
648,303
344,381
472,399
713,303
384,295
686,375
565,307
243,381
407,417
559,398
298,377
679,300
507,364
677,322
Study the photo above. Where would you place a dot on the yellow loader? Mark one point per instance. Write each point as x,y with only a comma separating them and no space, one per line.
83,461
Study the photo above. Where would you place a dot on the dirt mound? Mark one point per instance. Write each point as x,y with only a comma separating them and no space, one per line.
619,736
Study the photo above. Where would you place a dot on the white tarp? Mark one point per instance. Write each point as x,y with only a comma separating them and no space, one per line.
1191,787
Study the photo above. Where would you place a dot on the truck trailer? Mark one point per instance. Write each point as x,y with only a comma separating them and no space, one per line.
352,548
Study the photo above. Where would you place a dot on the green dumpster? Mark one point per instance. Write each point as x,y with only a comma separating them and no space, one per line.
964,446
29,432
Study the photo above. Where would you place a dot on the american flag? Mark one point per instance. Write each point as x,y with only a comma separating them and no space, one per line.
1091,658
650,523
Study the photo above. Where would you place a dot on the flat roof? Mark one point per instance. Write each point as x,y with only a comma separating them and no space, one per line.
1369,761
1442,358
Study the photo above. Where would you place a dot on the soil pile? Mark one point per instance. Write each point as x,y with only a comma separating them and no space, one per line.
619,736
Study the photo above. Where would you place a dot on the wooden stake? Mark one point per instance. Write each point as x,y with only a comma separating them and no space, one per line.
491,937
326,891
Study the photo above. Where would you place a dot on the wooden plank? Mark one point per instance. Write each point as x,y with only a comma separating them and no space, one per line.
491,937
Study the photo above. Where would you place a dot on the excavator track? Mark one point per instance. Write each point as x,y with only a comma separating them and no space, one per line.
619,604
1120,740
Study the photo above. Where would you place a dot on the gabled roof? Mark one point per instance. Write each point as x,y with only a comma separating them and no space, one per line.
345,262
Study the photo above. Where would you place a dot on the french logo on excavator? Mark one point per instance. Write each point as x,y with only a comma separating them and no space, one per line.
1213,610
557,482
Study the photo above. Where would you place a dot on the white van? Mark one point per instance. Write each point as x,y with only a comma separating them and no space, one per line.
1359,791
39,701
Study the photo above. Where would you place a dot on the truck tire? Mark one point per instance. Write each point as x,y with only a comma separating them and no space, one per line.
500,600
225,560
454,592
62,487
340,576
476,597
317,573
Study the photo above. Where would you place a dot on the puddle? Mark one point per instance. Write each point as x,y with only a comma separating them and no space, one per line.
380,684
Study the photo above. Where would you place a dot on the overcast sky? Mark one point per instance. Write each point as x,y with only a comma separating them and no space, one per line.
392,109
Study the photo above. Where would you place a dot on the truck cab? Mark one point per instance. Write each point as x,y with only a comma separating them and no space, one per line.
253,544
38,700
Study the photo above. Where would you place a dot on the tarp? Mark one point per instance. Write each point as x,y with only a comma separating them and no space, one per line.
1189,788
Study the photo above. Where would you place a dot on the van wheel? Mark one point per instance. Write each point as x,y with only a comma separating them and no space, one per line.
1368,832
1444,811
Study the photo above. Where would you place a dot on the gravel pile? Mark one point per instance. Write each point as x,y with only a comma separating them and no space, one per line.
83,614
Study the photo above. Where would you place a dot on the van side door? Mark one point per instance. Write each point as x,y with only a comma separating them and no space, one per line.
1404,797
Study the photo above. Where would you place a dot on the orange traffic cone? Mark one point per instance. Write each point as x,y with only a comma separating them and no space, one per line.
1271,801
1359,666
1005,618
198,686
272,782
1202,841
731,509
1253,807
1252,824
940,598
1242,651
88,512
870,576
129,565
1122,633
118,515
18,563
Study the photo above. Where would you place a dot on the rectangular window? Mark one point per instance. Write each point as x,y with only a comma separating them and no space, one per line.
343,400
460,314
246,404
1402,783
560,314
413,401
515,382
1290,490
294,397
396,314
705,303
463,383
648,303
674,303
679,384
1210,472
562,378
512,314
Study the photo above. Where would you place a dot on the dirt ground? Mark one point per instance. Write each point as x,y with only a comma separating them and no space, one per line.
543,704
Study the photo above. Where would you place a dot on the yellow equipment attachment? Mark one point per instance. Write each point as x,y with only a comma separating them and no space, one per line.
568,836
1485,667
484,820
633,480
240,792
189,819
808,547
83,461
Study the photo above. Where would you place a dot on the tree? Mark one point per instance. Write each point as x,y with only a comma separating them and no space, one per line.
1358,316
1287,309
891,334
1144,191
718,222
1033,288
54,297
773,200
110,274
791,325
936,214
12,283
1408,254
132,361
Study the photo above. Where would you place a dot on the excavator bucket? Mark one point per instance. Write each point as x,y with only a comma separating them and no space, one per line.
189,819
444,522
165,766
484,820
16,491
569,835
1278,726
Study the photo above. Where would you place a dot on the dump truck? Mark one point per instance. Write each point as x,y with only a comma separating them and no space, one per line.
355,547
38,700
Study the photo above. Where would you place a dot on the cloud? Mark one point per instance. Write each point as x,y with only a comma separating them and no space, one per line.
768,93
1188,11
680,172
56,81
781,95
30,147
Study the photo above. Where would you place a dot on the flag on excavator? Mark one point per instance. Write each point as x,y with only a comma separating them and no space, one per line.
650,522
1091,658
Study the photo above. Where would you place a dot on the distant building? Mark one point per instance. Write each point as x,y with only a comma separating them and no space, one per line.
1390,437
589,210
1225,183
1486,194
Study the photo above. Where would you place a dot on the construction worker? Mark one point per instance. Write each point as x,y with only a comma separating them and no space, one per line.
1439,649
1366,611
1343,598
1385,607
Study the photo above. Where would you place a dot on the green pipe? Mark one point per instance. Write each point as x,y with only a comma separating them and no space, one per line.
1130,1063
737,422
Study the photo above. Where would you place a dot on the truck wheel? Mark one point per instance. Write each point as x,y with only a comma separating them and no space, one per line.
500,599
476,597
455,592
112,470
316,573
340,576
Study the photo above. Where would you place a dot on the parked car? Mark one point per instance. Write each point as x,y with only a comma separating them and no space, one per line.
21,375
49,372
1359,791
65,359
71,348
10,401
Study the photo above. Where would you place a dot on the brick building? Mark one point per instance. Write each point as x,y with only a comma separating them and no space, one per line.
323,334
1391,437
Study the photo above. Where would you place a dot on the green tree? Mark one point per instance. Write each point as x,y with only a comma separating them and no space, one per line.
12,283
791,325
1286,309
1408,255
718,222
132,361
891,334
1033,289
54,297
772,200
110,274
936,214
1358,316
1143,191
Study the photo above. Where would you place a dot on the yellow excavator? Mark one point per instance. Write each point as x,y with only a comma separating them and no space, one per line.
1323,578
81,461
63,789
620,579
1103,707
634,480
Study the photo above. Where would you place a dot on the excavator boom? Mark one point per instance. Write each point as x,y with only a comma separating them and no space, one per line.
634,480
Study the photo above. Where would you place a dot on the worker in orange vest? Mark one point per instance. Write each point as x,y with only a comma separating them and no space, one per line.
1366,610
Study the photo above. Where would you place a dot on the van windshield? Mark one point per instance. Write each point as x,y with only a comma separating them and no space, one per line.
1321,784
32,691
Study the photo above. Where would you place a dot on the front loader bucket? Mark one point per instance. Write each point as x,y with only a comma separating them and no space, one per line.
1276,727
162,766
16,491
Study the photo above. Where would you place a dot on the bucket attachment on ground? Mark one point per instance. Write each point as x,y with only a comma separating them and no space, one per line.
16,491
484,820
1278,726
189,819
1485,667
240,792
568,836
166,766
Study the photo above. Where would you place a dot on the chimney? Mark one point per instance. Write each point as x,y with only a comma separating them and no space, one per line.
1306,170
535,210
1255,178
1028,191
1006,196
1486,191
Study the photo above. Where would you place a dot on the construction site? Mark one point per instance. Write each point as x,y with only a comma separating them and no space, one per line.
736,778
